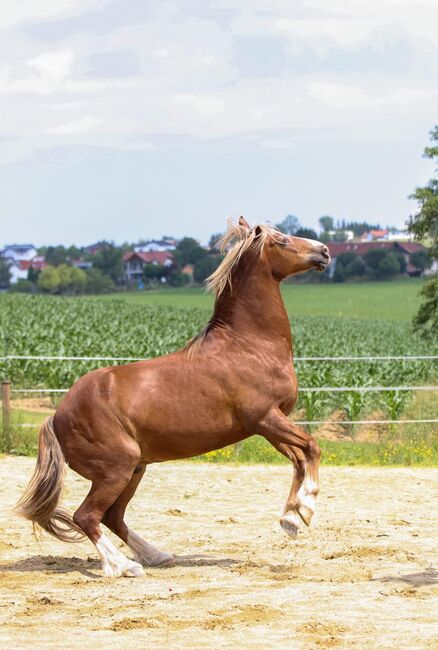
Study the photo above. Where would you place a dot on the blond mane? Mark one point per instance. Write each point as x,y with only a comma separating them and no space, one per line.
241,239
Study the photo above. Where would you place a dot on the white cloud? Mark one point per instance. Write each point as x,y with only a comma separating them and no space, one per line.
85,124
189,82
202,104
350,96
13,12
54,65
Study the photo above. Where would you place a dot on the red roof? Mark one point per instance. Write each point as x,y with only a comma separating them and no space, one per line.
356,247
363,247
159,257
410,246
37,264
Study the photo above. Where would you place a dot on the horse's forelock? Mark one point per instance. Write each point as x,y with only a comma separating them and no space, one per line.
241,239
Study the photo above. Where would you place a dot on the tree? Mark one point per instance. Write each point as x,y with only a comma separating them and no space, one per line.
421,260
388,266
206,267
49,280
326,223
97,282
178,279
188,251
372,259
423,225
381,264
308,233
5,274
212,244
57,255
289,225
344,262
109,260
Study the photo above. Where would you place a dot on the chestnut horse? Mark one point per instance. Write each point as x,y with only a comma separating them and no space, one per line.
234,380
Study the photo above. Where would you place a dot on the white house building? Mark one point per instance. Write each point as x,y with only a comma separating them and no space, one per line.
19,252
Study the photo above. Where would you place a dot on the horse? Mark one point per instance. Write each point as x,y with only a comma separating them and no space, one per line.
234,380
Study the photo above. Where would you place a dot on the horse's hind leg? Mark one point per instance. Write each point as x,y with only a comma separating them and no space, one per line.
109,479
145,553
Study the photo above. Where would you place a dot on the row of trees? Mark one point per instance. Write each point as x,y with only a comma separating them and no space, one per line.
376,264
331,230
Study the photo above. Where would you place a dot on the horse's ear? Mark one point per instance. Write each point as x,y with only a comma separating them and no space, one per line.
244,223
257,231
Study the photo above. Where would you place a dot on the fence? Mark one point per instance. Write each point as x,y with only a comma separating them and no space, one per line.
7,389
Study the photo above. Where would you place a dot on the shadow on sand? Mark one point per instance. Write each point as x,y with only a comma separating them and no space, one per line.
88,567
424,578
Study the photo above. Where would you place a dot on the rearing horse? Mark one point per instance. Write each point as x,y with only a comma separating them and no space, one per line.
234,380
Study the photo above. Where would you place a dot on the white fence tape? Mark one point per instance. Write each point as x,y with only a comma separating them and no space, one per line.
15,357
313,389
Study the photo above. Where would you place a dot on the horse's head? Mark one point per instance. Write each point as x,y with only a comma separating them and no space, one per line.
284,254
288,255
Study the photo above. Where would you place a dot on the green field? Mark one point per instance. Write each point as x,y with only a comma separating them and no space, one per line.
397,300
327,320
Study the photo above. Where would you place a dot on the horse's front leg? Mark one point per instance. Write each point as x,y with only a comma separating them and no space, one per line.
304,452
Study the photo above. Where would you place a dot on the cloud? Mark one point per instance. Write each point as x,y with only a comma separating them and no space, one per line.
202,104
216,71
85,124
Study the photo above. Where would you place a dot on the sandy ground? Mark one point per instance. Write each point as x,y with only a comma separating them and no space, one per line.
364,576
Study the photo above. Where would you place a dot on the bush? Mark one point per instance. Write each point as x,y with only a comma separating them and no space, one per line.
23,286
49,280
388,266
178,279
97,282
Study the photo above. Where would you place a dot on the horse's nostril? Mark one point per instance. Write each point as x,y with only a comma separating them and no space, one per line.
325,251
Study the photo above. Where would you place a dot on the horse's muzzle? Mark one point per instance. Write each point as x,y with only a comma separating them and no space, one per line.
322,259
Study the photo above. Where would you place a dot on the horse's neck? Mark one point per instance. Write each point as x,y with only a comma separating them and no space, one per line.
253,308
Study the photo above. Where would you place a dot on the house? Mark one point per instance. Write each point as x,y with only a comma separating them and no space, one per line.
134,263
92,249
81,264
19,269
19,252
374,235
162,245
360,248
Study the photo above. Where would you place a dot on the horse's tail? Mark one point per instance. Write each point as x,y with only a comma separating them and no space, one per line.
41,498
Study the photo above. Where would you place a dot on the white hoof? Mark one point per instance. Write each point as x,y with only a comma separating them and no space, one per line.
133,570
114,563
145,553
290,524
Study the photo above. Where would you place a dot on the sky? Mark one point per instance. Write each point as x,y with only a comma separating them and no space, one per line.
126,119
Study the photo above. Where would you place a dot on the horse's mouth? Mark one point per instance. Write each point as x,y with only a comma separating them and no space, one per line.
321,263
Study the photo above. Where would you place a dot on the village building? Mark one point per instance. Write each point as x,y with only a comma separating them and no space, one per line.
134,263
19,252
360,248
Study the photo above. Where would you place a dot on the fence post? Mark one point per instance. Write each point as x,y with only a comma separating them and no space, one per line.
6,406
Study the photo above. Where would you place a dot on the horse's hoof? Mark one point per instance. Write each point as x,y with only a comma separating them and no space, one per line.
305,513
163,559
133,570
160,558
291,524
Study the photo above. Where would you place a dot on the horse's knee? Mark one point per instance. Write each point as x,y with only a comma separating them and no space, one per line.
313,449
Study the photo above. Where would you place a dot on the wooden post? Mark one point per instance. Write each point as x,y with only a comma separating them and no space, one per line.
6,406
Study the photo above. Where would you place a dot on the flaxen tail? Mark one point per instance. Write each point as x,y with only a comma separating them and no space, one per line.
40,501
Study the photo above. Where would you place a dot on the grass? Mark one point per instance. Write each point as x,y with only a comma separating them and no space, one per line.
395,300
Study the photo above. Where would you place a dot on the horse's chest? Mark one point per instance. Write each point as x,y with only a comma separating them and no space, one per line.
281,384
